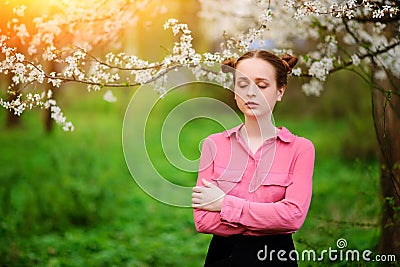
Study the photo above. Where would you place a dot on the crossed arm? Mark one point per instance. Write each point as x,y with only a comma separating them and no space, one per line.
219,213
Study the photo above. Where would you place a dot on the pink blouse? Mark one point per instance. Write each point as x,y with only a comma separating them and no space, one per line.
268,192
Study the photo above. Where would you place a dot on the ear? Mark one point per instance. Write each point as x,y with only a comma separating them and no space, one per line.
281,91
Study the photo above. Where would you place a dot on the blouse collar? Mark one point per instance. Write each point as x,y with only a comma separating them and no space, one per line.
283,134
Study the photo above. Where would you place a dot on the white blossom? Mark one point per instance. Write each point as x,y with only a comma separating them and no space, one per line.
355,59
314,87
380,75
19,57
54,81
266,16
19,10
396,67
378,13
68,126
109,97
21,32
296,71
349,39
320,68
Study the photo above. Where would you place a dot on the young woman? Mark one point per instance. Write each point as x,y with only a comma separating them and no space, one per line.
255,180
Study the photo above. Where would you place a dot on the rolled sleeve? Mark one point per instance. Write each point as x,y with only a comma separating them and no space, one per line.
231,209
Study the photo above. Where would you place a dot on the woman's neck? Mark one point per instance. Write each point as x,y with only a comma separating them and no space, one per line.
256,131
260,128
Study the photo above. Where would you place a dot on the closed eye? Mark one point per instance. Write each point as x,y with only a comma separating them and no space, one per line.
242,85
262,85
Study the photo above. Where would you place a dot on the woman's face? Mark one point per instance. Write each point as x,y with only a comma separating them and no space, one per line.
256,90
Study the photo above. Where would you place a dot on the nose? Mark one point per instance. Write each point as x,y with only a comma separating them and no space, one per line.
252,90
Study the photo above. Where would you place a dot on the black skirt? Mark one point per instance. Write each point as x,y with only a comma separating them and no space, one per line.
242,250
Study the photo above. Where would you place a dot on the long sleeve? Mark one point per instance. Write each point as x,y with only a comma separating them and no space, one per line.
286,215
208,221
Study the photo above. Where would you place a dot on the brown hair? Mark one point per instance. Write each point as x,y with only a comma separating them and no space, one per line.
283,66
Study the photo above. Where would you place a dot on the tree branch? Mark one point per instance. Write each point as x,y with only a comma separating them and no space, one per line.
114,85
369,54
155,66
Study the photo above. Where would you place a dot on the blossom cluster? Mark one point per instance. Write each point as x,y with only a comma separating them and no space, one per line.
353,25
340,9
321,68
183,52
44,101
55,42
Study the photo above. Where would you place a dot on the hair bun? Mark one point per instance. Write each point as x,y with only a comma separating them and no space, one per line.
289,61
228,64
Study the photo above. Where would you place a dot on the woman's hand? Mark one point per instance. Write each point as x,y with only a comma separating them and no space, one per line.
208,197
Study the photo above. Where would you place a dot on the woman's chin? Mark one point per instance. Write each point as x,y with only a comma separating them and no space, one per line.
256,113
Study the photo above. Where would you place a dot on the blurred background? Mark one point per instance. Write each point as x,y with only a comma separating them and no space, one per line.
68,199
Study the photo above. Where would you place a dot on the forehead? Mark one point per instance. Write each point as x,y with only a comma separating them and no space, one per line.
255,68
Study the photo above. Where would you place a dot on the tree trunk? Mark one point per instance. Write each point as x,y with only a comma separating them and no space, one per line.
48,121
386,112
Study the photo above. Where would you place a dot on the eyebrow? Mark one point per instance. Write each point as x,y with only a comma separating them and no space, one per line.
262,79
257,79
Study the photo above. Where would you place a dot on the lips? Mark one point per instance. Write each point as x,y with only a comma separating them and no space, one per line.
251,104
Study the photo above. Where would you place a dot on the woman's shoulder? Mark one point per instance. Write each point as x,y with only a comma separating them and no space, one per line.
304,143
295,140
217,137
224,135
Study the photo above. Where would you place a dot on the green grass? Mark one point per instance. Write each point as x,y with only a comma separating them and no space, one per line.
67,199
